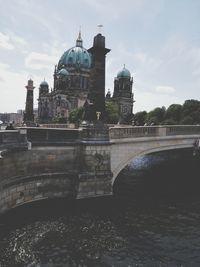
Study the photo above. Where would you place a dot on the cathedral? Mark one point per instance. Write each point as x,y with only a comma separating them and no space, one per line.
79,79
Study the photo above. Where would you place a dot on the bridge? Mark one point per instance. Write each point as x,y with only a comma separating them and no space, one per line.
43,163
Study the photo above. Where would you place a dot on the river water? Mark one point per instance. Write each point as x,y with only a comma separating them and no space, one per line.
152,220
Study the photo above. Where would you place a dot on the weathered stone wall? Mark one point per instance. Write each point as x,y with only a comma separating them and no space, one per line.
23,192
43,172
95,175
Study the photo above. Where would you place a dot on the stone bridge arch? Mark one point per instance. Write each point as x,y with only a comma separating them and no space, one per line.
37,174
123,151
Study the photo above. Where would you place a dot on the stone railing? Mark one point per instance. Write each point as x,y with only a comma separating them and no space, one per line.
46,136
12,140
12,137
148,131
58,125
183,129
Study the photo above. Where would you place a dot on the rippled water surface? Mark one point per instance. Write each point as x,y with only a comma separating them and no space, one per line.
152,220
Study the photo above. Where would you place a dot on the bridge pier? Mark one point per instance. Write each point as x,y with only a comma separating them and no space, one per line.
95,174
95,167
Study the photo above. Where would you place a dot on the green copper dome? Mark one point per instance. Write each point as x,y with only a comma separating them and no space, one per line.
63,72
124,73
44,83
76,56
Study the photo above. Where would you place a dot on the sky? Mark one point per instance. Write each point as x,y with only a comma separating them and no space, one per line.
157,40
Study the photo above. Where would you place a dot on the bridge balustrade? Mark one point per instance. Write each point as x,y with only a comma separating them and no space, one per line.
50,136
148,131
182,129
12,137
140,131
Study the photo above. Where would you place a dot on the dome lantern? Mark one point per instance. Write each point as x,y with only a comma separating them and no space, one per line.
124,73
44,84
79,41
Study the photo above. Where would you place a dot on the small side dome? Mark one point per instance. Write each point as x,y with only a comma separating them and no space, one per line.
124,73
63,72
44,83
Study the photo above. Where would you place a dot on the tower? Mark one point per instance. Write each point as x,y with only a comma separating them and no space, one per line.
44,110
28,113
97,77
123,95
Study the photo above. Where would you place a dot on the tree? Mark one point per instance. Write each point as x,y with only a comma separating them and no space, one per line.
173,114
156,116
187,120
140,118
76,114
59,120
191,108
111,112
128,119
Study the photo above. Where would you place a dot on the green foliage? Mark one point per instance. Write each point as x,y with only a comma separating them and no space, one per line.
128,119
140,118
173,114
169,121
59,120
76,115
191,108
186,114
156,116
112,112
187,120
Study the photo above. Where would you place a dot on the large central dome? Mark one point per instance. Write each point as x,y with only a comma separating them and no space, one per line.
76,56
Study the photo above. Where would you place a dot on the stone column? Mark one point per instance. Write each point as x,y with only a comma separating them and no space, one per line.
28,113
97,77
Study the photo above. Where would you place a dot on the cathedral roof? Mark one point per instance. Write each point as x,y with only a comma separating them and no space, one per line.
76,56
63,72
44,83
124,73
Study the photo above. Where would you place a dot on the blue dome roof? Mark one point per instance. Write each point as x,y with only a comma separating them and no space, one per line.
44,83
75,56
63,72
124,73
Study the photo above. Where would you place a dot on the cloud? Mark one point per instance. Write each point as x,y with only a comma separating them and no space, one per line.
39,61
154,100
20,43
113,10
13,91
165,89
4,66
5,42
11,41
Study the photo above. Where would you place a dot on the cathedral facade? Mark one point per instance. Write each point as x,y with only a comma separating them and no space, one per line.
78,80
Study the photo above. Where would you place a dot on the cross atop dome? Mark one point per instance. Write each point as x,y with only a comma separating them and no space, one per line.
100,26
79,41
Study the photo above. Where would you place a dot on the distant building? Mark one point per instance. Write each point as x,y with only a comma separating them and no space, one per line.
123,95
15,118
79,78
